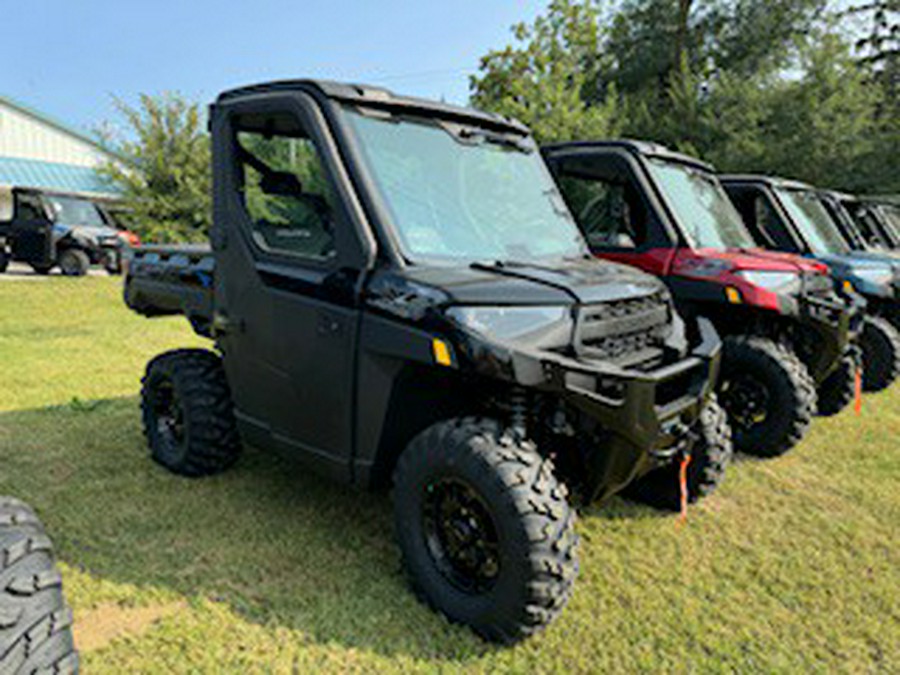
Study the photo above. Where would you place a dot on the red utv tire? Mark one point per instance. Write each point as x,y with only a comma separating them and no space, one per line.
768,394
710,457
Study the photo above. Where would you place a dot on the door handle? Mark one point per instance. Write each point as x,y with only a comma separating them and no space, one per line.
329,324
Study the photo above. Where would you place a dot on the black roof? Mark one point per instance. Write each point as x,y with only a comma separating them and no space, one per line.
634,146
771,181
839,196
378,97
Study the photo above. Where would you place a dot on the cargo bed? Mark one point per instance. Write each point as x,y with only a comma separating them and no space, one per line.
170,280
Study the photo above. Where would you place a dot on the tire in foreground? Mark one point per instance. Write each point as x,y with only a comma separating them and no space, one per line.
35,623
485,530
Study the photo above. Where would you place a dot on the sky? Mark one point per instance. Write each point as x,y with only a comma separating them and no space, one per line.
69,58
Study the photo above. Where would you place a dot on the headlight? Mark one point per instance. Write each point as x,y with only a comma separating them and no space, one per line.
516,323
772,281
877,276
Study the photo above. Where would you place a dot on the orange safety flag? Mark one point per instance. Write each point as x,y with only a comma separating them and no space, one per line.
683,486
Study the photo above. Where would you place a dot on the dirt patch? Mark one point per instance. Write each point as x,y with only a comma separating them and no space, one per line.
97,627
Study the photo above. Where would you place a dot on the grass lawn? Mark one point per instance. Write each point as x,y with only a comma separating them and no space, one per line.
794,565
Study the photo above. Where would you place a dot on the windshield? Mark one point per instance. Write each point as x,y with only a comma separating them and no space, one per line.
884,221
892,221
456,195
701,206
74,211
816,227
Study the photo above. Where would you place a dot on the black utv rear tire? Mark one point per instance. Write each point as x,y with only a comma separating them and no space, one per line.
761,377
710,457
35,623
880,343
839,388
469,490
188,414
4,261
74,262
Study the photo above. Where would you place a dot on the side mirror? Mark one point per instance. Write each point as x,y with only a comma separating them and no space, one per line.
280,184
623,240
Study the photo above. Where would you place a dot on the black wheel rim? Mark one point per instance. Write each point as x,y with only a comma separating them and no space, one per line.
746,399
461,536
169,418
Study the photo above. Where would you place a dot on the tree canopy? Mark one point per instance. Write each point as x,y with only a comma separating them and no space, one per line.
793,87
164,175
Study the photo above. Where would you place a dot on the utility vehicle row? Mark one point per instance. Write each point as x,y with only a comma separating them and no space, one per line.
400,294
69,231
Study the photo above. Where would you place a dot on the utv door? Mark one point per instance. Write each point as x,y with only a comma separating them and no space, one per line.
615,207
31,233
288,261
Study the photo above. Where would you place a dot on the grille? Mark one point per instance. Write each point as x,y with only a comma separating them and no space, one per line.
624,330
821,286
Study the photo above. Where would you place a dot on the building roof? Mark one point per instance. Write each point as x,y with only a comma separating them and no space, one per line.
53,122
32,173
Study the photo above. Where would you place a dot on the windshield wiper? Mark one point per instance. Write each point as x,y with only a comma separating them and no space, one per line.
477,135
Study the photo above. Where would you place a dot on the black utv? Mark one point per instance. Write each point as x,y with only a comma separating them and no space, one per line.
399,295
35,622
46,230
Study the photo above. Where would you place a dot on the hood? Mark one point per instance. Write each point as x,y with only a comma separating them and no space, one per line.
92,231
858,268
560,283
859,261
748,259
890,257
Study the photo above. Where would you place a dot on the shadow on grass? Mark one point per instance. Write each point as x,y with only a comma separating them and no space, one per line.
276,543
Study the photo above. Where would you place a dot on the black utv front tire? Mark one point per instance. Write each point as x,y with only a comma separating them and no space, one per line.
35,623
880,343
4,261
768,394
74,262
839,388
710,457
187,413
485,529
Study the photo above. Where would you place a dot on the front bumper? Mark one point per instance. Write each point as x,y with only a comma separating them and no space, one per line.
645,416
831,327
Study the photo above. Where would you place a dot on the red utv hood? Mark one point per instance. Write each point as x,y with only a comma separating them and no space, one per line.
746,259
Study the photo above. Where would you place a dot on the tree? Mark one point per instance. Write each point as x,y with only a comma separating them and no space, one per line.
822,128
548,78
165,175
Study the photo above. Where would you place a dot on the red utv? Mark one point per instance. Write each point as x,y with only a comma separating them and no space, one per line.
789,337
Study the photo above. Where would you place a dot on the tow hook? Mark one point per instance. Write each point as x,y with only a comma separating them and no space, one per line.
686,437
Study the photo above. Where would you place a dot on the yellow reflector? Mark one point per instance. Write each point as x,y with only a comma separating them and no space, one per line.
848,286
733,295
441,352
